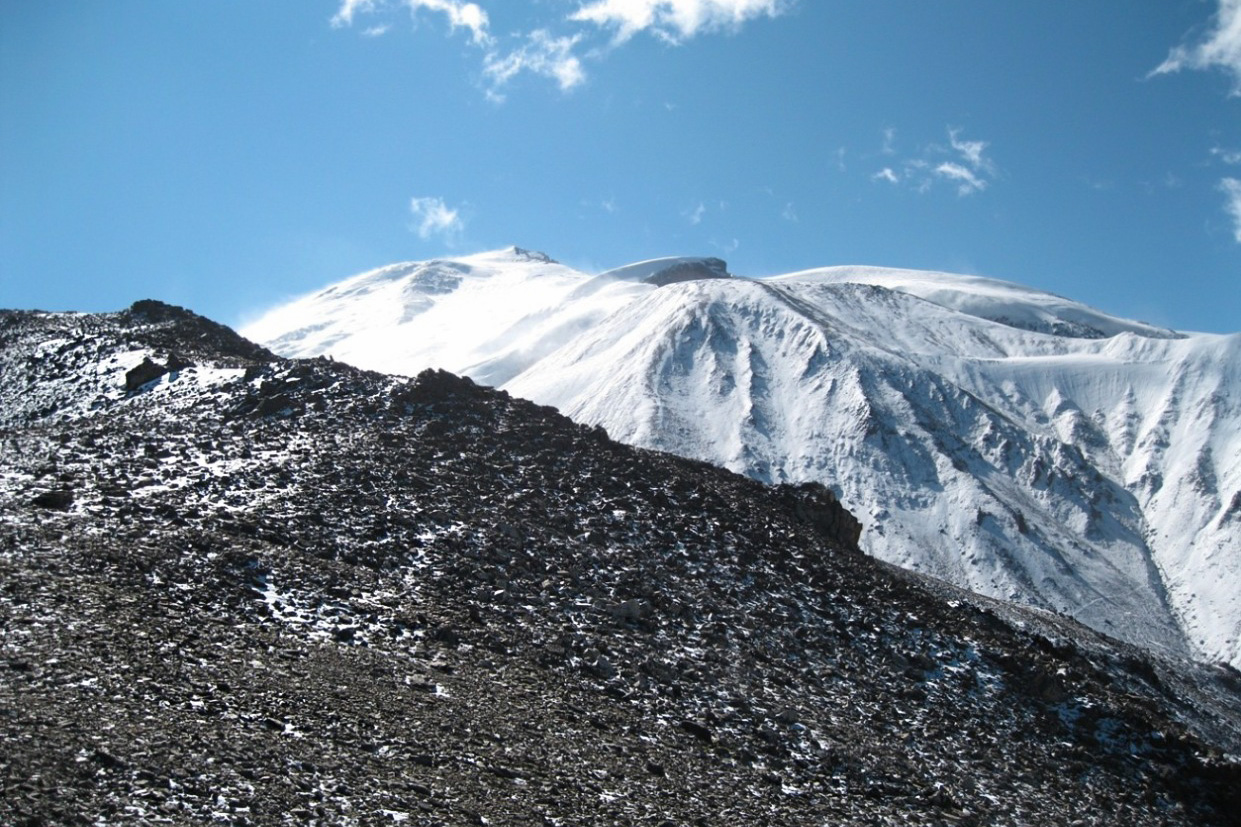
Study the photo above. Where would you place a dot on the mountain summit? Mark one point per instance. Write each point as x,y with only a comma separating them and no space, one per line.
1017,443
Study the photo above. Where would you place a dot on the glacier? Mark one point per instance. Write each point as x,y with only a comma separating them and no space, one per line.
1014,442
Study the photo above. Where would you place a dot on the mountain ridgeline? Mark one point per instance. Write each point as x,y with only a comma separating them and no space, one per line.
248,590
1013,442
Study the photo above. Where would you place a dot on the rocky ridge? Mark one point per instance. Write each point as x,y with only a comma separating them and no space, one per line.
260,591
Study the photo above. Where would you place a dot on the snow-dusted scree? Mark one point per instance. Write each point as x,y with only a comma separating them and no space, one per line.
242,590
1016,443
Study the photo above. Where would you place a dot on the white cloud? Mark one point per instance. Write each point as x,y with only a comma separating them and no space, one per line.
673,20
968,183
966,165
542,54
461,15
348,8
431,216
1220,48
972,176
695,215
887,174
889,141
556,51
971,151
1232,192
1228,156
789,213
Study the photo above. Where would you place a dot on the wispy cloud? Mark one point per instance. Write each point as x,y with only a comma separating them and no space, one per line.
889,141
887,174
461,15
673,20
974,174
695,215
432,217
1220,48
966,179
1231,188
1228,156
963,164
348,8
542,54
558,49
971,151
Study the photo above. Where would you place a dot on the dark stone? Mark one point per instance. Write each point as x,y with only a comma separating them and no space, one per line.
276,404
177,362
707,268
146,372
155,311
1046,687
816,504
699,731
631,611
107,760
59,500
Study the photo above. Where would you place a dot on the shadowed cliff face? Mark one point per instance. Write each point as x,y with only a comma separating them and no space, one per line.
257,591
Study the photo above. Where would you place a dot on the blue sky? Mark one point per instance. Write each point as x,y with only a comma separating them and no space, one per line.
227,155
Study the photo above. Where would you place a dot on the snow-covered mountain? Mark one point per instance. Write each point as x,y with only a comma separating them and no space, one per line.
1014,442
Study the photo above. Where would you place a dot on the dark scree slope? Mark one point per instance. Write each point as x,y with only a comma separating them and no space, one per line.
241,590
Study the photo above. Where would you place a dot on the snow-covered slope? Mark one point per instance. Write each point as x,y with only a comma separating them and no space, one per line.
490,315
1000,301
1014,442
